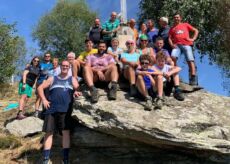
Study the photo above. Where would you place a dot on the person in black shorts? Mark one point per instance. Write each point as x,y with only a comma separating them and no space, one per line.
58,109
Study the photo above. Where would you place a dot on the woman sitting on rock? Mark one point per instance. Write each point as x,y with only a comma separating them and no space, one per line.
29,77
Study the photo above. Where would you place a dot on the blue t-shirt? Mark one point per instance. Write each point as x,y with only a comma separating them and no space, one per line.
147,79
44,71
152,35
131,57
118,50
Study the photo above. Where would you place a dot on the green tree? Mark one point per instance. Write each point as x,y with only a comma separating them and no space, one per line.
64,28
211,17
12,48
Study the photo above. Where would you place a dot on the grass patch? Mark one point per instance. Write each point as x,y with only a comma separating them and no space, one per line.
9,142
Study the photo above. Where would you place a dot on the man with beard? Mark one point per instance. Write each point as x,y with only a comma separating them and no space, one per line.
45,67
181,42
95,34
101,67
130,60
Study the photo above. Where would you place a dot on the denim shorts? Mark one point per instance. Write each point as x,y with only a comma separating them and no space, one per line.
183,49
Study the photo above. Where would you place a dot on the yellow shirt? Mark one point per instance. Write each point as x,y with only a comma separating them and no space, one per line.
84,54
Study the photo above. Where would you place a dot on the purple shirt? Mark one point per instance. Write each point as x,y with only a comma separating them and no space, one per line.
163,50
100,62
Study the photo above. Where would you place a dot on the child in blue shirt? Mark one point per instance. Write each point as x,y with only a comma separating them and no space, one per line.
147,79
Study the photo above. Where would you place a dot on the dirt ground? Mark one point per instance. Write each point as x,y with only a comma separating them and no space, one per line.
15,149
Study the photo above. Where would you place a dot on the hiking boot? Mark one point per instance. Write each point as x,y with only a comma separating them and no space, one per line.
94,96
65,161
112,95
46,161
193,81
168,87
133,90
159,102
20,116
179,96
148,103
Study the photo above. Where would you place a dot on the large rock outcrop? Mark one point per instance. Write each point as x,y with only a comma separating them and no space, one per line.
199,124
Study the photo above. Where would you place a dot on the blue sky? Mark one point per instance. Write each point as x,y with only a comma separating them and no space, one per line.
26,14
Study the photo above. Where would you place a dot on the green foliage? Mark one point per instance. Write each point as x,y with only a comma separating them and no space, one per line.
64,28
12,47
211,17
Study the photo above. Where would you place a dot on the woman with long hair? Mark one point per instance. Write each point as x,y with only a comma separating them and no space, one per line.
29,77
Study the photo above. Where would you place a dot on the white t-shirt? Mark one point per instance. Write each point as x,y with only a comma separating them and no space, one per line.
165,69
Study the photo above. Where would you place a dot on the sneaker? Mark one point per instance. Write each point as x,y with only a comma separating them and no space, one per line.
148,103
20,116
133,90
37,113
193,81
159,102
94,96
113,92
179,96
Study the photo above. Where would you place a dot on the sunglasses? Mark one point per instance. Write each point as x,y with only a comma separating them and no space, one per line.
143,40
144,63
47,56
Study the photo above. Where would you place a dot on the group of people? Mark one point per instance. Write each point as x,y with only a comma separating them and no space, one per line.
148,64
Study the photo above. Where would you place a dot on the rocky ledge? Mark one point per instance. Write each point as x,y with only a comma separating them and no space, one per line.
200,124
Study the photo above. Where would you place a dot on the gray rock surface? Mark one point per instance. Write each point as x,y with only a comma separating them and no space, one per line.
25,127
199,124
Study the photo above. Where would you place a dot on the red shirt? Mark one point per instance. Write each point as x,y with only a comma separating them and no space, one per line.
180,34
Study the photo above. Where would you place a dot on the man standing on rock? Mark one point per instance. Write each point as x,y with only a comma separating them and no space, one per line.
110,28
58,109
181,42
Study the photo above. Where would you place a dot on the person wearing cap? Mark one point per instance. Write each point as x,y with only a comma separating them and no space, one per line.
144,50
132,23
163,33
101,67
130,60
110,28
143,31
80,62
181,43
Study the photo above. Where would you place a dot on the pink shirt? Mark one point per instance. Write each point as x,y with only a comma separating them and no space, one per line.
99,62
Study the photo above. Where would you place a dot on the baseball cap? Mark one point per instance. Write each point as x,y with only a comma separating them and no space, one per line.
143,37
